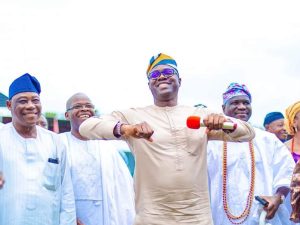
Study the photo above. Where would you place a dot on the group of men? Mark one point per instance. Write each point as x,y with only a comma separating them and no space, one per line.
55,179
182,176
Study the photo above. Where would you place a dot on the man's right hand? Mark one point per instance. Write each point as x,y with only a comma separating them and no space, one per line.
2,181
274,203
141,130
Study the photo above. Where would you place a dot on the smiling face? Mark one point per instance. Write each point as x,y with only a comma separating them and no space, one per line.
25,110
238,107
79,108
277,127
164,89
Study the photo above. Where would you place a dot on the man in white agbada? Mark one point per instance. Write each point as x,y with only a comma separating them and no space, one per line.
102,183
38,188
239,171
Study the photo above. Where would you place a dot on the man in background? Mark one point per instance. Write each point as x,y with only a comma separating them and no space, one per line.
239,171
103,186
42,122
274,123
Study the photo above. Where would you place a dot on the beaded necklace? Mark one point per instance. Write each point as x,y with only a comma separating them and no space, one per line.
244,215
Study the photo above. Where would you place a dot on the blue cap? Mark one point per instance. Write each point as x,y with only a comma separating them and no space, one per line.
25,83
272,116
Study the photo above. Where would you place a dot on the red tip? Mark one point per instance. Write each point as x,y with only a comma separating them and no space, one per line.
193,122
234,126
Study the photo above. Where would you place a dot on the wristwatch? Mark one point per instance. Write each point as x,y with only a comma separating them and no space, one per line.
118,129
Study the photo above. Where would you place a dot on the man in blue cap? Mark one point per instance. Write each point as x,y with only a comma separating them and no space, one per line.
38,188
170,172
274,123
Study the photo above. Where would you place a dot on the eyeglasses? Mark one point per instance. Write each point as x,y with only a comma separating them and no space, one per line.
167,72
79,107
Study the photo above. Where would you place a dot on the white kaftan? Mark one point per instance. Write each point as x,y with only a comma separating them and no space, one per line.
36,191
102,184
274,167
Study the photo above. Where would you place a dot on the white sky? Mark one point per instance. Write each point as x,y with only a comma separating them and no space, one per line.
103,48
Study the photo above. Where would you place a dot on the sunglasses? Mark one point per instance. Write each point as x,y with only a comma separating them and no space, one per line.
167,72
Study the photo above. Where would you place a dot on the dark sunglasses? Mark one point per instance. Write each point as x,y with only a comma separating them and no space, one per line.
167,72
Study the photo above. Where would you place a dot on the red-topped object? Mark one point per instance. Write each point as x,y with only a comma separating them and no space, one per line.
193,122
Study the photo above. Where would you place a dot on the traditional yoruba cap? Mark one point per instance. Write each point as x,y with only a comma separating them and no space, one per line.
235,89
290,114
25,83
272,116
161,59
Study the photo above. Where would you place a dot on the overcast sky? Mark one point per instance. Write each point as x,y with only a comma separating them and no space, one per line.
103,48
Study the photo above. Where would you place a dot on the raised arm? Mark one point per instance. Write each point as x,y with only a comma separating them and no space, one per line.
102,127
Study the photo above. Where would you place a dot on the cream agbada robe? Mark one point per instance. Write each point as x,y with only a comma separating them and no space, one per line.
171,172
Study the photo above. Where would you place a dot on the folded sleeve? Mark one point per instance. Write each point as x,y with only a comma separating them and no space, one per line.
243,132
102,127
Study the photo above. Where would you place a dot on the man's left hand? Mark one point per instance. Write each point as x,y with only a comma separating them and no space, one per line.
214,121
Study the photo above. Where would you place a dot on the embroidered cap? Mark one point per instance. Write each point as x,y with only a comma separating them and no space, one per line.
235,89
161,59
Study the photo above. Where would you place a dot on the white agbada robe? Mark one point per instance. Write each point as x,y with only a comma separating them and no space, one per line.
36,191
274,168
102,183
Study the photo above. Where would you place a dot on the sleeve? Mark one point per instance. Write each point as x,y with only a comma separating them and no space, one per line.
102,127
67,203
243,132
118,201
63,137
124,196
283,166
